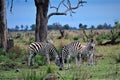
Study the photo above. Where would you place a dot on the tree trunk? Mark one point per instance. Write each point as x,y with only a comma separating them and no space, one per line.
41,19
3,24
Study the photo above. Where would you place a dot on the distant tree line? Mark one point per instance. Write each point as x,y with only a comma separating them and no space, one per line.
57,26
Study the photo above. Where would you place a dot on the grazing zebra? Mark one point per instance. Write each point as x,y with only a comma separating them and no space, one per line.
42,48
70,50
76,49
88,50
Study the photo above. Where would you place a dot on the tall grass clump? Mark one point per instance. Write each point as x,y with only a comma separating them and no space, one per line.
33,75
50,69
40,60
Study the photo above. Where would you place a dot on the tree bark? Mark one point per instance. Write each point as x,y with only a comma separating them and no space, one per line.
41,20
3,24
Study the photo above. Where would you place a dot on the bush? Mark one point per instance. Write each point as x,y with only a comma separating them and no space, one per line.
100,38
2,52
6,63
15,52
31,39
75,38
18,35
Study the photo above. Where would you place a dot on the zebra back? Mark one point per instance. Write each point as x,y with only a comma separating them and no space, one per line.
71,49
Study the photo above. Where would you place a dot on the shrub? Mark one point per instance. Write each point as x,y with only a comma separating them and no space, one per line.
6,63
18,35
100,38
15,51
75,38
2,52
31,39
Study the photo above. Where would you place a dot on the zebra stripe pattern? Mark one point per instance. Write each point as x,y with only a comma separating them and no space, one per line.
88,50
70,50
76,49
42,48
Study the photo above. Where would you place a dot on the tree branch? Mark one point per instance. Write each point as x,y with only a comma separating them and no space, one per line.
68,7
56,13
11,6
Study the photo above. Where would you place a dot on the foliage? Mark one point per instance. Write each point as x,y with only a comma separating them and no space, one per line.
104,26
31,39
81,26
117,24
50,69
33,26
110,37
75,38
2,52
100,38
14,52
6,63
66,27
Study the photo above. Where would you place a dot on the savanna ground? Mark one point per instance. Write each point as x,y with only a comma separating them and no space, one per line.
13,65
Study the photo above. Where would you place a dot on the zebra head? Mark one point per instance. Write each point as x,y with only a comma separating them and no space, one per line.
91,44
57,61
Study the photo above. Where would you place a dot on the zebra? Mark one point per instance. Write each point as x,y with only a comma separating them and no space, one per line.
75,49
42,48
89,51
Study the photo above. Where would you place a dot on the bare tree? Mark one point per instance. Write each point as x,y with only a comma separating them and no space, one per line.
3,24
42,15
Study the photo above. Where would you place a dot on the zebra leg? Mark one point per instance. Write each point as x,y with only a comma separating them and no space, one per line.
48,58
33,58
91,59
76,60
30,58
88,59
68,64
80,59
62,63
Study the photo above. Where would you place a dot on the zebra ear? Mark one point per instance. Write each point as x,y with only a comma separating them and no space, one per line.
91,40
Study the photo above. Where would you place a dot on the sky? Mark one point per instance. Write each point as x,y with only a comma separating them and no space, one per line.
94,12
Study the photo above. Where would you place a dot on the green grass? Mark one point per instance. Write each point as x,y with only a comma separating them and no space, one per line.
106,68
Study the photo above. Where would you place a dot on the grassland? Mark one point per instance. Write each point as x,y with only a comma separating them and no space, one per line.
107,64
